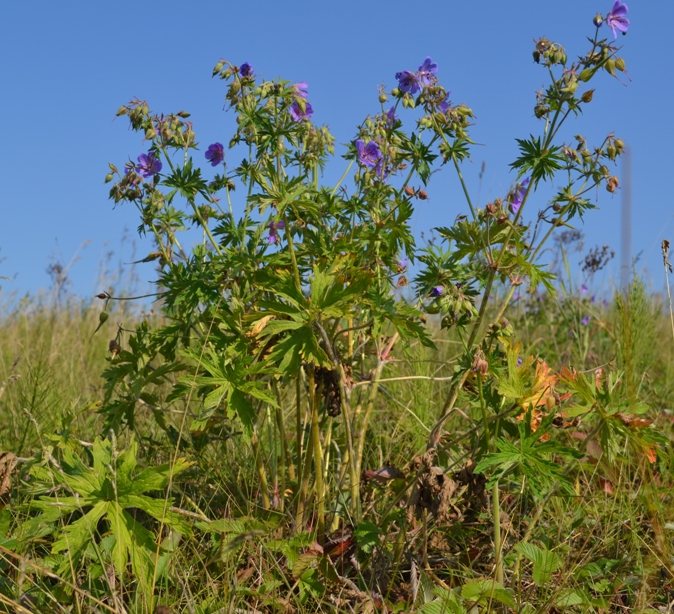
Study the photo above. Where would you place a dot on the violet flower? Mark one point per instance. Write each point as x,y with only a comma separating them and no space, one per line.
246,70
148,165
585,320
437,291
408,81
300,90
391,117
518,197
299,113
273,237
427,72
402,263
583,289
444,105
370,154
215,154
617,18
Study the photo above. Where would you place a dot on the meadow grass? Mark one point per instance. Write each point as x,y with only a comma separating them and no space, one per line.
611,538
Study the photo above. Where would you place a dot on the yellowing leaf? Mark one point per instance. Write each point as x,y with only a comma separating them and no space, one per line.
540,394
258,327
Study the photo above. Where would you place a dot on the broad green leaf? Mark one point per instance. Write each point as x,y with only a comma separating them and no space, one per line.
485,590
76,535
545,562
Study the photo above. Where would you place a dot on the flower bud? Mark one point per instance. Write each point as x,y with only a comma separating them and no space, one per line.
571,87
612,184
383,97
395,92
183,114
611,151
235,88
597,20
619,145
218,67
603,169
102,295
620,64
556,207
409,191
121,111
113,168
610,67
537,56
150,134
109,177
103,317
587,96
422,194
586,74
541,110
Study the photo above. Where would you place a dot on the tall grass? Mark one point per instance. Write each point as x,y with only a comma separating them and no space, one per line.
614,537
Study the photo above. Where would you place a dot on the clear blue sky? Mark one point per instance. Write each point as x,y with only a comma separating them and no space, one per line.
67,67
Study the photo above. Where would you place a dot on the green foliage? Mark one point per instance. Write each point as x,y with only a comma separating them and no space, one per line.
299,382
107,488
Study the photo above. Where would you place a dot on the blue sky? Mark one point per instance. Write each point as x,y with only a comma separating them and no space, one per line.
68,66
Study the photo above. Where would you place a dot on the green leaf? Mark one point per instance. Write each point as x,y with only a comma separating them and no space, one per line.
541,162
545,562
485,590
76,536
156,478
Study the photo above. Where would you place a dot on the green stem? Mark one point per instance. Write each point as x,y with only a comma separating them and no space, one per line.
463,184
264,486
346,172
366,416
498,561
318,457
291,250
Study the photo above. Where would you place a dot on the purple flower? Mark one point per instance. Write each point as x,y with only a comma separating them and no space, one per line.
148,164
518,197
408,81
519,361
391,117
273,227
427,72
370,154
444,105
301,111
585,320
437,291
300,90
402,263
246,69
616,19
583,289
215,154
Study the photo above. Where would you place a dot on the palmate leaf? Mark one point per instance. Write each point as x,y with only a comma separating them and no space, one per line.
471,237
76,536
530,459
545,562
486,590
132,541
187,180
300,345
541,163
